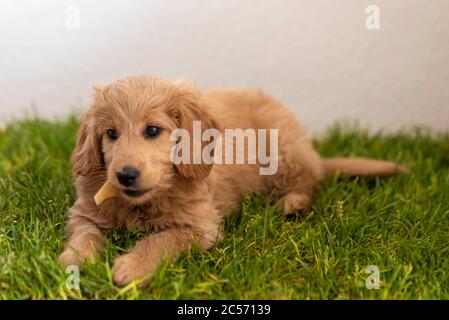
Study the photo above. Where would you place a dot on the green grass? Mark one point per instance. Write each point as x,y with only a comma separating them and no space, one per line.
400,225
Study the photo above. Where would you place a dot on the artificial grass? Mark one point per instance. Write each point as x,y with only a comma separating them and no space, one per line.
400,225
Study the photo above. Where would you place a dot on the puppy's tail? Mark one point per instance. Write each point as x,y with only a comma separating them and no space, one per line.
361,167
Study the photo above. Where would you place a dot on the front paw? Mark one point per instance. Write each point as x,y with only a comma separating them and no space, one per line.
69,257
72,256
129,267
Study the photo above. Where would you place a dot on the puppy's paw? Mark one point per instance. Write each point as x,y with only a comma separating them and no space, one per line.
69,257
296,202
72,256
129,267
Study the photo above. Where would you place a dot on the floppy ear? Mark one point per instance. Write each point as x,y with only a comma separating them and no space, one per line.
191,108
87,155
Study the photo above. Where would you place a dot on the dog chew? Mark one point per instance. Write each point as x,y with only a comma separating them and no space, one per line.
106,191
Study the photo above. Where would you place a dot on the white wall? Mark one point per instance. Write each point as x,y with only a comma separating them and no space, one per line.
316,56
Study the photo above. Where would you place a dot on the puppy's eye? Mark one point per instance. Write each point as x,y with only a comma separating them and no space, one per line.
151,131
112,134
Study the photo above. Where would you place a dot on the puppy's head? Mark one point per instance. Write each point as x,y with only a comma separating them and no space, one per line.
127,132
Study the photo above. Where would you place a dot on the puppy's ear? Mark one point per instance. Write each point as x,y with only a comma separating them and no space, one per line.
192,108
87,155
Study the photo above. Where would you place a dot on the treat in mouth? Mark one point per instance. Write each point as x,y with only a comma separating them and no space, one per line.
135,193
106,191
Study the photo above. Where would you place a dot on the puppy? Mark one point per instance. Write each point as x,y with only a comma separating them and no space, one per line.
125,138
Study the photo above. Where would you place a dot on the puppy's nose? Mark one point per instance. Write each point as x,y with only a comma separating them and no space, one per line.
127,176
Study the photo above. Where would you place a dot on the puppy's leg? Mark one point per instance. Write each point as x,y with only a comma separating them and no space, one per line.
299,184
148,253
85,240
299,170
295,202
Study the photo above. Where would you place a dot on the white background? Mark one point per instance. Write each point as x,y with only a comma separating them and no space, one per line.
316,56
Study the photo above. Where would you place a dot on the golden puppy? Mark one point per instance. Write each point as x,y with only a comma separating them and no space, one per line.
125,138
